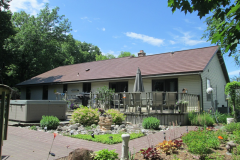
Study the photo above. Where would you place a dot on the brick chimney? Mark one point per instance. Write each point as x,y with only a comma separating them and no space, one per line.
141,53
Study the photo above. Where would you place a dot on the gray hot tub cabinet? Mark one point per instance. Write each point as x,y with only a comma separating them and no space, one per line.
33,110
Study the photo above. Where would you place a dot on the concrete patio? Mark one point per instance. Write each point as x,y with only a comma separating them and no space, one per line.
24,144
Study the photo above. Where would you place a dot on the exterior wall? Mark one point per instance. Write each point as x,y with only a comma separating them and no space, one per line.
214,72
36,92
23,93
52,88
96,85
74,89
191,83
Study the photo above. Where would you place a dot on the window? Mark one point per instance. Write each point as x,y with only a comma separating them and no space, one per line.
208,85
28,93
119,86
65,88
166,85
86,87
45,93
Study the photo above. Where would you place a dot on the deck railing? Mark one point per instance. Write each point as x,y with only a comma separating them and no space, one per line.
140,102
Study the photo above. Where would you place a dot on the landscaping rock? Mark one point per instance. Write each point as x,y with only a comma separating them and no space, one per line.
231,143
80,154
122,126
74,127
59,128
93,126
124,130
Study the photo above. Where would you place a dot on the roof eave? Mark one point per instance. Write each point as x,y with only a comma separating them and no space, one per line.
117,78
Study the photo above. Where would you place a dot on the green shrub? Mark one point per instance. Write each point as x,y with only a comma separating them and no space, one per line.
222,118
105,154
85,116
117,116
213,141
201,119
236,136
238,150
223,134
33,128
197,142
51,122
232,127
151,123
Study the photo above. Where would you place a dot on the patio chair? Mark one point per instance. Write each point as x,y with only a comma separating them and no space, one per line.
136,100
116,101
126,98
170,99
157,101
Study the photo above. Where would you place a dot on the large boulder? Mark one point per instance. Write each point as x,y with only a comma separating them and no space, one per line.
80,154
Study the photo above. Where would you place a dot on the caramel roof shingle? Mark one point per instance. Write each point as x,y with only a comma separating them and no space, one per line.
194,60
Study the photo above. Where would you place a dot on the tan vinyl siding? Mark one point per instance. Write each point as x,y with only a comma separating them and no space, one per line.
72,88
214,72
192,83
96,85
51,88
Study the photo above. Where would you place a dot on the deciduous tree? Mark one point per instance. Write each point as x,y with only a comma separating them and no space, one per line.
125,54
223,25
36,47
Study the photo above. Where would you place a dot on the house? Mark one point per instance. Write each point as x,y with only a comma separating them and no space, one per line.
191,70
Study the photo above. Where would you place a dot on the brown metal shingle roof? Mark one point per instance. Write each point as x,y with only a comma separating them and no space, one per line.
193,60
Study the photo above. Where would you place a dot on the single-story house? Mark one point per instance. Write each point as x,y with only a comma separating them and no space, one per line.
194,70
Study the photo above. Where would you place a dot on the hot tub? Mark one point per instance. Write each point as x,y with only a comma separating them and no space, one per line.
33,110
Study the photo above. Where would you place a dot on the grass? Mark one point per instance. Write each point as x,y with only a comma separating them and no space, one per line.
116,138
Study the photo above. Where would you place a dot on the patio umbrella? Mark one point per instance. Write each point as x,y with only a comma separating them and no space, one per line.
138,85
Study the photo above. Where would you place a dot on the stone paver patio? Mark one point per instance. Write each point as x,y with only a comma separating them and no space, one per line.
24,144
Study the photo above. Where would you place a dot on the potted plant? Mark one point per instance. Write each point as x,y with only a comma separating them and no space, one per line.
179,111
181,105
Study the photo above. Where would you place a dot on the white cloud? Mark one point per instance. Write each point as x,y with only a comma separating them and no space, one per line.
237,72
125,46
134,43
103,29
200,28
188,21
30,6
187,38
85,18
116,36
172,42
74,30
145,38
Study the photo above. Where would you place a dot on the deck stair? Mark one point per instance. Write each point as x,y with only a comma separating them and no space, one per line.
69,114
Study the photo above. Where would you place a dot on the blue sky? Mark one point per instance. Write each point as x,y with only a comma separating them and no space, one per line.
129,25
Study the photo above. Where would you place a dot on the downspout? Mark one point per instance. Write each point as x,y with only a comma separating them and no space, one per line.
200,74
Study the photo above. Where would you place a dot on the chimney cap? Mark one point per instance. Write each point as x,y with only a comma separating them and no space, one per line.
141,53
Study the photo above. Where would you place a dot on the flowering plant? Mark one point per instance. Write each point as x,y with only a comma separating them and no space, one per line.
182,101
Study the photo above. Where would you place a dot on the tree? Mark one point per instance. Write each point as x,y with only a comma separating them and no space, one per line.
36,47
6,30
125,54
223,25
88,51
104,57
4,4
